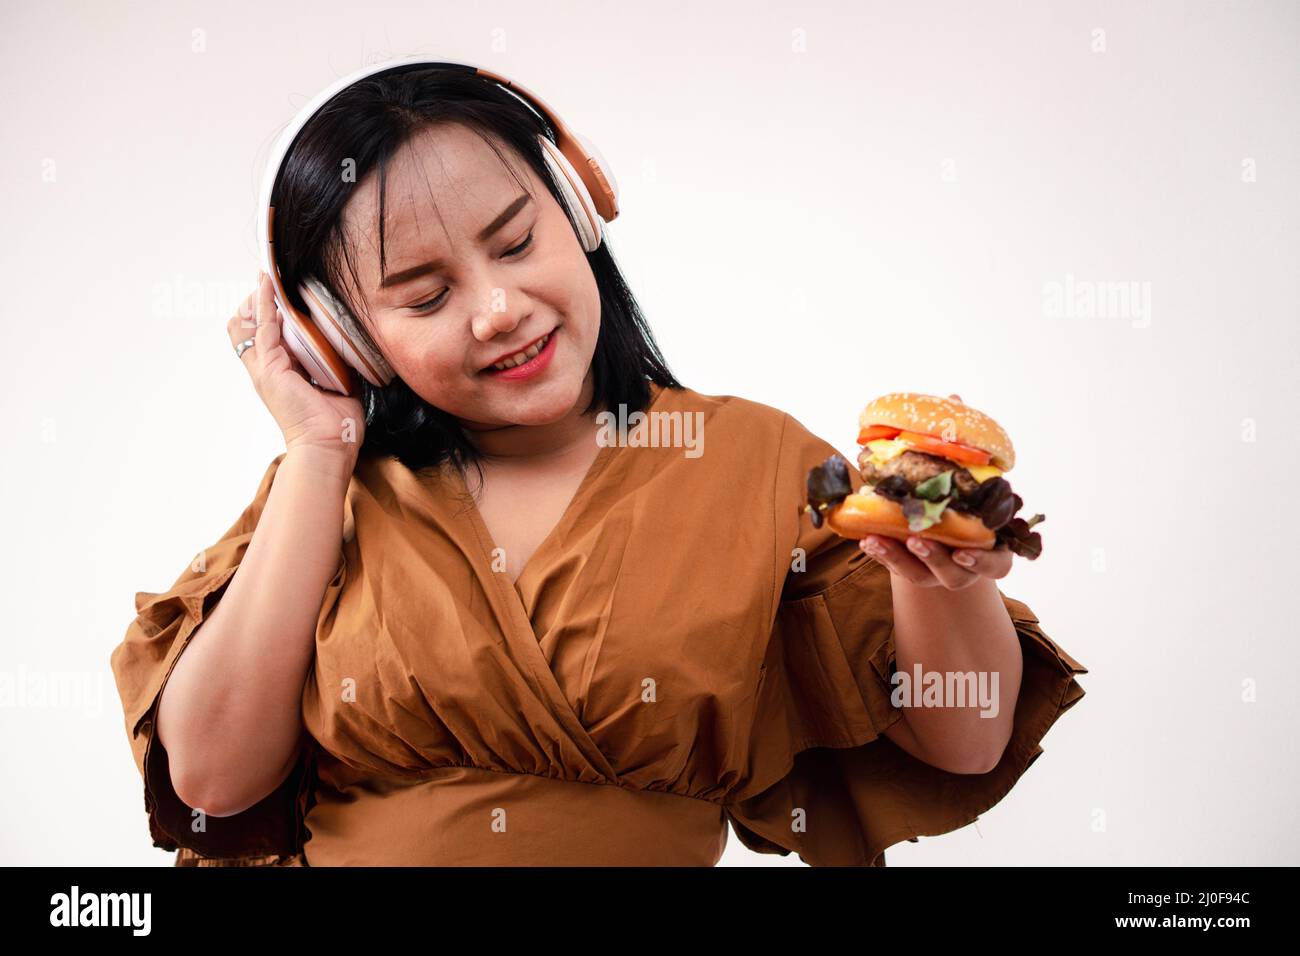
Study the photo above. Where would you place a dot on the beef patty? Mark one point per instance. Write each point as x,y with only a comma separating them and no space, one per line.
916,467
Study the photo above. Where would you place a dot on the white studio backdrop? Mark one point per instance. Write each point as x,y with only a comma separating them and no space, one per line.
1082,217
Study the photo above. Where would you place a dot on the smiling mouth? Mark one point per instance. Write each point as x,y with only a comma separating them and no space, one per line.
519,358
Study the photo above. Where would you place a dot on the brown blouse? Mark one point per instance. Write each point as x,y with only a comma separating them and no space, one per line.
668,661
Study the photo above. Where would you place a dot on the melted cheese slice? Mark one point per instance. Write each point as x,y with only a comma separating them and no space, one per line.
883,449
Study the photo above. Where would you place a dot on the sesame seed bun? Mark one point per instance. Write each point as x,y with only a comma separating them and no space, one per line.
942,418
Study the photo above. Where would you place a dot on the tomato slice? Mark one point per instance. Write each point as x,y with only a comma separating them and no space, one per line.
946,449
872,432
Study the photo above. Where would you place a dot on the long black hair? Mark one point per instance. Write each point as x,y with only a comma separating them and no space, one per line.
367,124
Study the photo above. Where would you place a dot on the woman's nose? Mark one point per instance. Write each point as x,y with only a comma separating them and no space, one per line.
494,319
489,324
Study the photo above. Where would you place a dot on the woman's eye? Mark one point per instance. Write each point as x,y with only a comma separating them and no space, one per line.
424,308
521,247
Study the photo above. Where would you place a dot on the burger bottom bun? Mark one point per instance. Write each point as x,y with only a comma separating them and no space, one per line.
860,515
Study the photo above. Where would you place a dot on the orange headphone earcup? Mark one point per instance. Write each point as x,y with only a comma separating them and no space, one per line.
577,201
348,337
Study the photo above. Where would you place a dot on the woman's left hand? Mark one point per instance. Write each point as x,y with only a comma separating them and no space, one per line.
930,564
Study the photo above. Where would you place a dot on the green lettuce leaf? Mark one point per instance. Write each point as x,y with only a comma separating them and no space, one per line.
932,489
922,514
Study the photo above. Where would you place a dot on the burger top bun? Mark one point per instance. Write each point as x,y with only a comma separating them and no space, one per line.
943,418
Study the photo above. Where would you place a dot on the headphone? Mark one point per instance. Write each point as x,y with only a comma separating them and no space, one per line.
329,340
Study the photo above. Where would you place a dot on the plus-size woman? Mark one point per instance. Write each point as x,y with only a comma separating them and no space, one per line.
453,627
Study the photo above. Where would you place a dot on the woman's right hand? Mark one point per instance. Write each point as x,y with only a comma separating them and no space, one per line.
309,417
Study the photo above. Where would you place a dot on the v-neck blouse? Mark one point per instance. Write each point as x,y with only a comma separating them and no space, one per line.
456,486
683,651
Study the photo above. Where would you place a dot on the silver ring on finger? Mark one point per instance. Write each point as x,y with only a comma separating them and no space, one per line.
246,344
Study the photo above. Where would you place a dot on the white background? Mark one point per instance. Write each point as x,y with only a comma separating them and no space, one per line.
821,203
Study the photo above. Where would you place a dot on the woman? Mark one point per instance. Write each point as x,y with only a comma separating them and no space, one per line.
473,624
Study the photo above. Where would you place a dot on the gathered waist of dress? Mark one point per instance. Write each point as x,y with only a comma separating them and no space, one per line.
467,816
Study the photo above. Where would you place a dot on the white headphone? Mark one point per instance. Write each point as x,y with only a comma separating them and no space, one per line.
330,340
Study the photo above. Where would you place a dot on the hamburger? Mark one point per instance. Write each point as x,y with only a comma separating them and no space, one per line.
931,467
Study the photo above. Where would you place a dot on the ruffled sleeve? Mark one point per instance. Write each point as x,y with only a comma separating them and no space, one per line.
823,781
272,830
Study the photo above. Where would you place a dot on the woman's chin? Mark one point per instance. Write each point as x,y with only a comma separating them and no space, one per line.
542,404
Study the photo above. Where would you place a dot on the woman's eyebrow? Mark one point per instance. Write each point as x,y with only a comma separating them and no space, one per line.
408,275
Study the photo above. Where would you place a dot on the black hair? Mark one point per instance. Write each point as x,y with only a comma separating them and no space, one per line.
367,123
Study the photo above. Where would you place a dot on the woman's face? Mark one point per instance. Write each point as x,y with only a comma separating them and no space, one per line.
493,271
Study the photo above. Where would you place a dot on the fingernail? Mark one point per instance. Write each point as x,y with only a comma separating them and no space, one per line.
919,546
872,546
964,559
